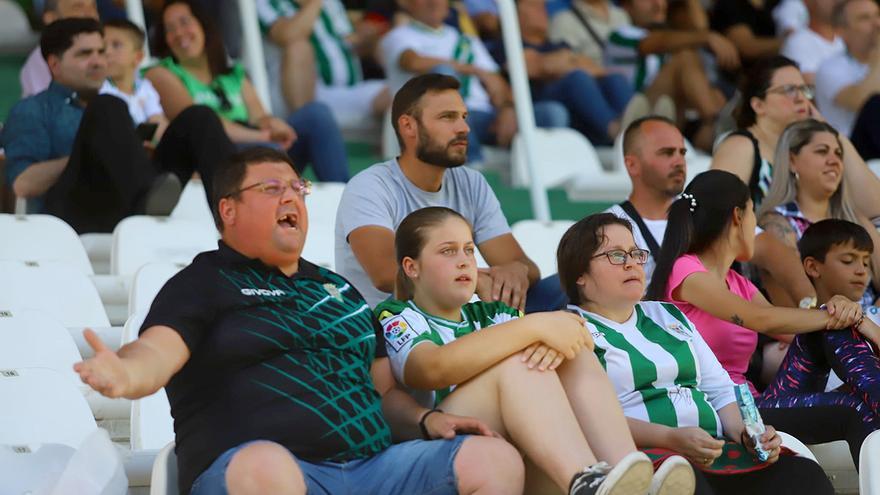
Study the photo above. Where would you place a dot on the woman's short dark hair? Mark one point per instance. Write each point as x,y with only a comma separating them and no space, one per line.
218,61
410,238
577,247
755,84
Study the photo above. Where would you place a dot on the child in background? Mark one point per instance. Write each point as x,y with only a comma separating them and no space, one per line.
124,42
836,255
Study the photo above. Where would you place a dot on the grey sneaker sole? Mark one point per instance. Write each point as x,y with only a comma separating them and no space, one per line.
631,476
674,477
163,195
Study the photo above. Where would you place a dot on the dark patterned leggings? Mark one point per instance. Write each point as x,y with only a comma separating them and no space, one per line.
801,378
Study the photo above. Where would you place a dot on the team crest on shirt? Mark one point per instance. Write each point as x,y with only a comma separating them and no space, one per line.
333,291
679,329
398,333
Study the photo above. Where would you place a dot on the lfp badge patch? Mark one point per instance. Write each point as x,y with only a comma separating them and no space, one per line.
398,333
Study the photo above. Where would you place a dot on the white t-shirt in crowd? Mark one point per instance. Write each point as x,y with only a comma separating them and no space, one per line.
809,50
444,42
383,196
142,105
834,74
657,229
790,15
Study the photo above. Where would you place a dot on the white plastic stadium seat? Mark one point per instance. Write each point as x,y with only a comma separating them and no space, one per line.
193,204
31,339
42,238
164,479
796,445
566,158
869,460
151,423
147,282
322,204
539,240
42,406
139,240
33,468
56,289
836,461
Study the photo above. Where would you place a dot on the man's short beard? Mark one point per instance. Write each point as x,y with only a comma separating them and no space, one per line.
428,152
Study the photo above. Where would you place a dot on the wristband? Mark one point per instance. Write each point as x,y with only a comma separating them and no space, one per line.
422,427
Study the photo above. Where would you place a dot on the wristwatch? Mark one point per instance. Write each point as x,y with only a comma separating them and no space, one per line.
808,302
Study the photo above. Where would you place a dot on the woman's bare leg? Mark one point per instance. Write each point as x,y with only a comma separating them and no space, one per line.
595,404
531,408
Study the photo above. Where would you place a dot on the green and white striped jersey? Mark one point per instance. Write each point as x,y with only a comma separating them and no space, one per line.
662,369
622,56
405,326
445,43
337,63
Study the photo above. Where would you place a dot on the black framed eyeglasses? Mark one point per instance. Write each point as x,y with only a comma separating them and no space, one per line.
791,90
618,256
277,187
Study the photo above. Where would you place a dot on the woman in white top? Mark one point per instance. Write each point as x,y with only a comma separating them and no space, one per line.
674,392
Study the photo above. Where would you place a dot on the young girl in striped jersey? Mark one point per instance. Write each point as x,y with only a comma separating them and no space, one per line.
527,377
675,394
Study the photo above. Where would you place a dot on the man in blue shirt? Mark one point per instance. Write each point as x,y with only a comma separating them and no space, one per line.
75,154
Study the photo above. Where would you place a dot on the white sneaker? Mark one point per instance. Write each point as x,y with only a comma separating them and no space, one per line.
630,476
674,477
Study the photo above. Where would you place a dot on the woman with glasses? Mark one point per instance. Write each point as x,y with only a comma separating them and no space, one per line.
772,96
677,397
195,70
808,186
710,227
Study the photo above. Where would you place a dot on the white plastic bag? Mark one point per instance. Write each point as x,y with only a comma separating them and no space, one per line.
94,469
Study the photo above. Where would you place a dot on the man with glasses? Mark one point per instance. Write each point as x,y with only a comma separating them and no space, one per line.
275,369
847,84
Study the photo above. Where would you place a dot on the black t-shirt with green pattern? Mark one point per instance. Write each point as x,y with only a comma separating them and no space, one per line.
273,357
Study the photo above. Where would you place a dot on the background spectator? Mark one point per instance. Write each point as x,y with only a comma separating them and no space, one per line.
809,46
35,75
428,45
195,70
316,44
847,82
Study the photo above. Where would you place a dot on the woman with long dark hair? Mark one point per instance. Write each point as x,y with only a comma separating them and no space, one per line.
710,226
196,70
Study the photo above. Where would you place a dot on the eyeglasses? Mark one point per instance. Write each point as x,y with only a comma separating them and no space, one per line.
791,90
618,256
277,187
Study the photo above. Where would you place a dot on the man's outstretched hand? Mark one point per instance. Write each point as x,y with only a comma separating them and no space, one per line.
105,372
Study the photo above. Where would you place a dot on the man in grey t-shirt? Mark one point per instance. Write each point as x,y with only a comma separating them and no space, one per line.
428,115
